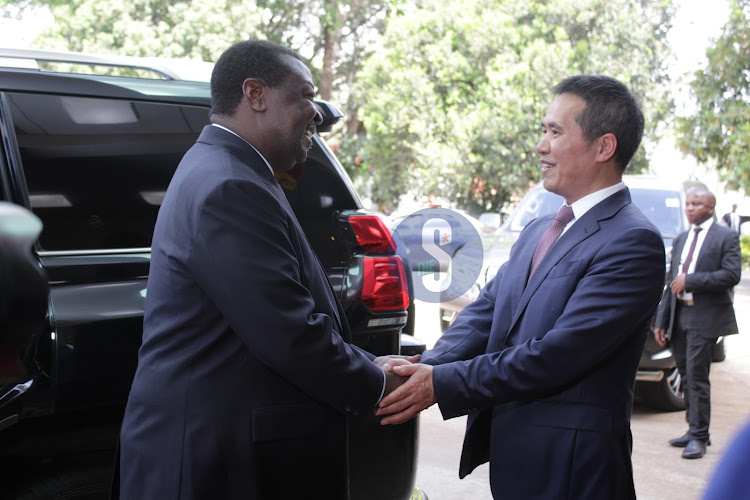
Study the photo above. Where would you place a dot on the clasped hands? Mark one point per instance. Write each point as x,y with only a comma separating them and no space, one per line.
408,388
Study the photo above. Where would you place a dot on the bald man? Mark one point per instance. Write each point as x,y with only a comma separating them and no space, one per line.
697,309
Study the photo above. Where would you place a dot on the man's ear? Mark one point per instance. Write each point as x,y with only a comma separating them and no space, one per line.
252,89
607,145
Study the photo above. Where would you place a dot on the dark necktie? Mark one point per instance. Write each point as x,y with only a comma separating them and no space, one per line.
564,215
689,257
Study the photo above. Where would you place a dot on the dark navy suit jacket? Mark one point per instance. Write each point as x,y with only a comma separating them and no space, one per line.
545,370
245,377
717,270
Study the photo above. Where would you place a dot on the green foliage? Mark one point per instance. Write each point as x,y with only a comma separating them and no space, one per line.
719,131
453,101
745,249
334,36
450,97
200,29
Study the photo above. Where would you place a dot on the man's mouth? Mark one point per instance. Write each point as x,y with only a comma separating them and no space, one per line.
308,138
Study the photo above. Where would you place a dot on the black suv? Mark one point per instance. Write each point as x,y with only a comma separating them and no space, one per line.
91,152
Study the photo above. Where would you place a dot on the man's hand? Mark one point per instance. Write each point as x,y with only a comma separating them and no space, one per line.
660,334
392,382
415,395
388,362
678,284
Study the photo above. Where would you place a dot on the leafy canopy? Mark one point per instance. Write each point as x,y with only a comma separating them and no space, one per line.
454,99
719,130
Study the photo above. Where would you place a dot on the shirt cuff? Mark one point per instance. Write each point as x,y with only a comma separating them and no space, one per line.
382,391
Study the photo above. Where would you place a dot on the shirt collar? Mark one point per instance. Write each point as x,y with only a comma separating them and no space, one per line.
235,133
580,207
704,225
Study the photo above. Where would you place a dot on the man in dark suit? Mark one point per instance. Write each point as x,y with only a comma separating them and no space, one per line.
732,219
544,361
245,378
697,309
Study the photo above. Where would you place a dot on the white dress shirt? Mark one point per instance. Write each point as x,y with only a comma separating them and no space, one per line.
686,249
580,207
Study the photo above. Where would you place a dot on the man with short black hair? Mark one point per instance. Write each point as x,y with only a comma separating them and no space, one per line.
246,377
697,309
544,361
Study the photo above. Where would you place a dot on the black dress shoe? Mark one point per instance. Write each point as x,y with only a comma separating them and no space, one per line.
696,448
683,441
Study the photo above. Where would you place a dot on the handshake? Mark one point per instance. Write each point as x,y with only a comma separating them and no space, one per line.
408,388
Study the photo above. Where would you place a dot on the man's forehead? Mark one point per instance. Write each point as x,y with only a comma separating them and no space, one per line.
299,69
564,110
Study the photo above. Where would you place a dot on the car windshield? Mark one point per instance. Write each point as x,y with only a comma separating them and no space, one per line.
662,207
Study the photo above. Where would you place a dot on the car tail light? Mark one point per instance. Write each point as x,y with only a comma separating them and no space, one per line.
384,285
372,234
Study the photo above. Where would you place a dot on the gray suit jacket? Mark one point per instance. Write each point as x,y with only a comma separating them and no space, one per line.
245,377
717,271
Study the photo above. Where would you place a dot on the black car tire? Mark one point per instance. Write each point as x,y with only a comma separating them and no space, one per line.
720,351
80,483
665,395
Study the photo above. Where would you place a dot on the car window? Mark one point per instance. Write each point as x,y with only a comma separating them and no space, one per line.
96,169
539,202
663,209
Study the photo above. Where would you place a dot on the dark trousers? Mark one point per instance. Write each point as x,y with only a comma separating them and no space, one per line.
692,351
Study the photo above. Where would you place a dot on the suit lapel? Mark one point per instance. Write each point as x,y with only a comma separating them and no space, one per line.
709,242
679,244
574,236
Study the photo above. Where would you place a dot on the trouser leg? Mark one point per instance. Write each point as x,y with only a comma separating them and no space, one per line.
698,366
697,363
679,350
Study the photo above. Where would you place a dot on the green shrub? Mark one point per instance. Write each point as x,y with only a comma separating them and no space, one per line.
745,248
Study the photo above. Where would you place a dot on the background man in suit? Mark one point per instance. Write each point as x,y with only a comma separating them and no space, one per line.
544,360
732,219
245,377
697,309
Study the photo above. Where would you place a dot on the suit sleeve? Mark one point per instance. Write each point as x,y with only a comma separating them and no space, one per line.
615,298
727,273
664,311
244,258
468,335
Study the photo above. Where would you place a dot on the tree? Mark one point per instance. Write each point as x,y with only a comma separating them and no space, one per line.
719,130
454,99
333,35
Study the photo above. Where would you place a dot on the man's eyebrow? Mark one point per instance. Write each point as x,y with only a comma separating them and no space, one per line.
551,124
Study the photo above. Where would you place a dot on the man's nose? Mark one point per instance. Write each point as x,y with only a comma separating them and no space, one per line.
542,146
318,119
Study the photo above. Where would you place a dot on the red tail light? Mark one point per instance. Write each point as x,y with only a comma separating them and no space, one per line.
372,234
384,285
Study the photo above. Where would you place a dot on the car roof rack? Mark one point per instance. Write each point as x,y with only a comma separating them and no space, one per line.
153,68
